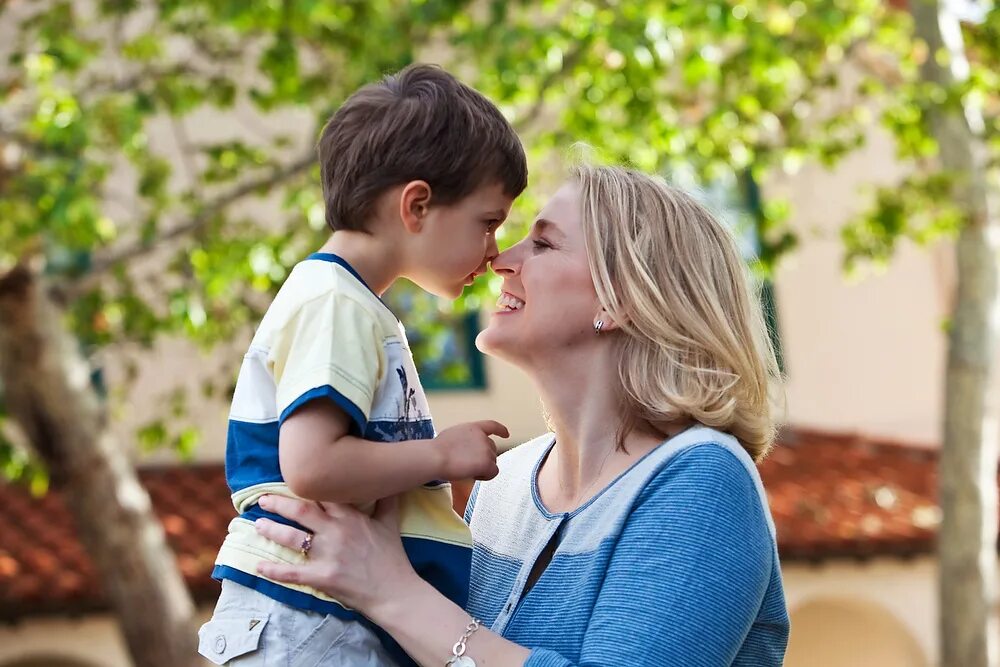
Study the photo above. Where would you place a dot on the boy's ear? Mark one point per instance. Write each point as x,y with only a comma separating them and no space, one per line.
414,204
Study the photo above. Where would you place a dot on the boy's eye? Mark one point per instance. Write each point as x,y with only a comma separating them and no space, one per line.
491,226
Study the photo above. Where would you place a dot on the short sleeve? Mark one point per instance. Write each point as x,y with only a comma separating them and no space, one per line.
330,348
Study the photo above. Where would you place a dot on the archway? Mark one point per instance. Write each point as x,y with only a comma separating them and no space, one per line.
850,633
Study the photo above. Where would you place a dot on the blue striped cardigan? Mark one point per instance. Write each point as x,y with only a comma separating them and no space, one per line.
674,563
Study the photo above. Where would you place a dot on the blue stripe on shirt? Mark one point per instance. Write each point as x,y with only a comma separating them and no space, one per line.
326,391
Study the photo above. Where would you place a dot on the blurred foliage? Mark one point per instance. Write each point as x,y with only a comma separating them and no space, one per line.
140,140
920,208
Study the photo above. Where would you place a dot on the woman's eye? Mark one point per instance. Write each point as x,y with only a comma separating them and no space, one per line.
540,245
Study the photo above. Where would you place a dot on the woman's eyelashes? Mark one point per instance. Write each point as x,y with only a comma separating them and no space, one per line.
540,244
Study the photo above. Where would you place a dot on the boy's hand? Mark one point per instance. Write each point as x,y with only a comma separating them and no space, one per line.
468,450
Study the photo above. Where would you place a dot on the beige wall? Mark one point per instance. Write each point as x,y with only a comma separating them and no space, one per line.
864,355
90,641
845,633
93,641
884,610
509,398
844,614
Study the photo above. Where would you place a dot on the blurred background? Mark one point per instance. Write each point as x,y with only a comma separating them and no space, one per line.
158,181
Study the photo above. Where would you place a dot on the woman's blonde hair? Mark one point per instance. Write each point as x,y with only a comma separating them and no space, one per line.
693,343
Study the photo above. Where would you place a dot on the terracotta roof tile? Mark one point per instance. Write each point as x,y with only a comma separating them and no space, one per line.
44,568
832,495
843,495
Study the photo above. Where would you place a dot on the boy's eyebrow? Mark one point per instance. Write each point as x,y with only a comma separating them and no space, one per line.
497,213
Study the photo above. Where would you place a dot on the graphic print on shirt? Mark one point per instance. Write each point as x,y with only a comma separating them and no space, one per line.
400,410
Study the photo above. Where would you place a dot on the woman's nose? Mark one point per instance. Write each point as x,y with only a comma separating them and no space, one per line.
507,262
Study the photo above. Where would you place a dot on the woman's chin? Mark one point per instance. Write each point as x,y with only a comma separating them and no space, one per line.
494,342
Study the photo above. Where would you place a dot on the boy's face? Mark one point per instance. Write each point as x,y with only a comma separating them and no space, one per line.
457,241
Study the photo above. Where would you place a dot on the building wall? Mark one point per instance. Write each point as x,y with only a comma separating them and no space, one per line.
862,355
92,640
845,633
880,613
876,613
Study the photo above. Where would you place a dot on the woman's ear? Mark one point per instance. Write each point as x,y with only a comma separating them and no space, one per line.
604,322
414,204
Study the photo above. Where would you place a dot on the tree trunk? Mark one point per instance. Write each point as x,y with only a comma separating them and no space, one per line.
967,544
48,392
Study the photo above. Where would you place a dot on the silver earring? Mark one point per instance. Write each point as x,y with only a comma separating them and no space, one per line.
598,325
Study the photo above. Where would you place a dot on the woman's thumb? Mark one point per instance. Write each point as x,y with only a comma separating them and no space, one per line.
387,512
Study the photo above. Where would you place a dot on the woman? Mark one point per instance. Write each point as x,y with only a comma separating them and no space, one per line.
638,532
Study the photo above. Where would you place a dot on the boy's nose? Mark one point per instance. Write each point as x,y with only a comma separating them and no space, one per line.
492,250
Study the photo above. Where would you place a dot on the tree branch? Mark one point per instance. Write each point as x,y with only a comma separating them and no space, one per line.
570,60
114,257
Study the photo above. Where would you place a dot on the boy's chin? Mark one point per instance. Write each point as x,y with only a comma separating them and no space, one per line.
450,292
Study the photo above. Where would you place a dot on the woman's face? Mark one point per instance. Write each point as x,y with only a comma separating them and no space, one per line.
547,304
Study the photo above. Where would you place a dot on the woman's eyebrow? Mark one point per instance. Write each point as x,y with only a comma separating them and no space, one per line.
542,225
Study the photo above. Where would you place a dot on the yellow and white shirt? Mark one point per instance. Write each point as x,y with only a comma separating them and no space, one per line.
328,336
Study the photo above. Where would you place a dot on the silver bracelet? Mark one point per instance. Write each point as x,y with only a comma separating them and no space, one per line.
458,657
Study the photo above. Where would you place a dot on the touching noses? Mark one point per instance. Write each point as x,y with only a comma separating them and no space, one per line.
508,263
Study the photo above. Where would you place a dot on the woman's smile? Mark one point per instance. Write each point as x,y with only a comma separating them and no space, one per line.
508,303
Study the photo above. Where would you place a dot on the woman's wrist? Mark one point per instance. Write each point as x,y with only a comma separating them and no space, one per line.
405,597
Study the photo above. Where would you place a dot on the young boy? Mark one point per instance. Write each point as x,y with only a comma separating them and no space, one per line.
418,172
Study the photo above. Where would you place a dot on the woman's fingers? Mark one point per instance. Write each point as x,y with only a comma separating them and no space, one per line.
302,512
280,533
290,574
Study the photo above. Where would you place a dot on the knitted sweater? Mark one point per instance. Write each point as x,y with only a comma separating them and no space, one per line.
673,563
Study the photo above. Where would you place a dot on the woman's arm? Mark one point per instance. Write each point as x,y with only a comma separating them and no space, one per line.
361,562
427,624
688,574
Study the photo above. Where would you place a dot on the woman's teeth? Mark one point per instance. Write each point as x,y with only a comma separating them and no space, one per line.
509,302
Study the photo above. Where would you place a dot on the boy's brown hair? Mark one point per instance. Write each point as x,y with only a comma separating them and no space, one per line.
418,124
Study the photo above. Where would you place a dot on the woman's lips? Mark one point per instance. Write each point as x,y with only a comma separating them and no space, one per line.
508,303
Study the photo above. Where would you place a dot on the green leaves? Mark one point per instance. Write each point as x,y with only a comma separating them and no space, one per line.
148,149
919,209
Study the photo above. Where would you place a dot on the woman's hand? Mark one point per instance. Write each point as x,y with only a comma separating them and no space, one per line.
356,559
360,561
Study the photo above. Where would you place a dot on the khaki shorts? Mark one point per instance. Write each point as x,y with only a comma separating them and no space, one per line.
249,629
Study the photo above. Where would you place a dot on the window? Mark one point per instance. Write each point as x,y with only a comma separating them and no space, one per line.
443,341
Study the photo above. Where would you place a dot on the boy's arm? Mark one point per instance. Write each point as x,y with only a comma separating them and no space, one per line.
320,460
